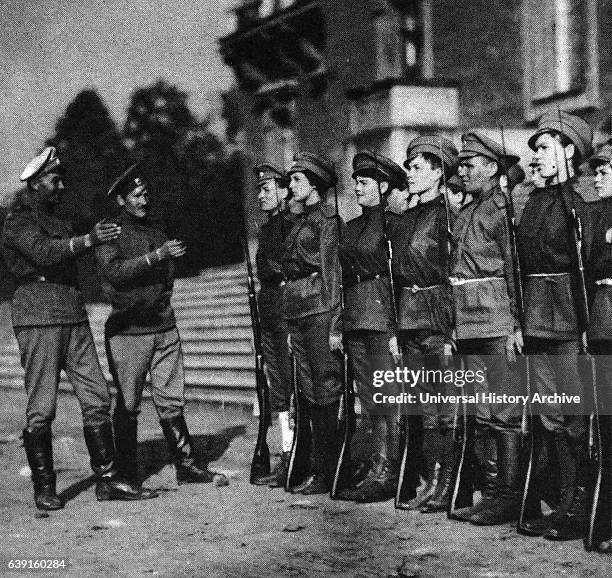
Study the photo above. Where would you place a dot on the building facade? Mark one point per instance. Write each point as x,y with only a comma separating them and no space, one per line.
337,76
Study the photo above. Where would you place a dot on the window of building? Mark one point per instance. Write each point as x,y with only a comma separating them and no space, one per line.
560,53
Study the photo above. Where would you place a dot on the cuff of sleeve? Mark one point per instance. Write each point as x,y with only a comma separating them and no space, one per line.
80,244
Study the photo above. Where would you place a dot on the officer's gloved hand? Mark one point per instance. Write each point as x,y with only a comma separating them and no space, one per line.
103,232
171,250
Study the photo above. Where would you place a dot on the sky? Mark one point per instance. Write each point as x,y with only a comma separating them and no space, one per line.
52,49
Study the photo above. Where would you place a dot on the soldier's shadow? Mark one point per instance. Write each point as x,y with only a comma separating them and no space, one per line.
153,456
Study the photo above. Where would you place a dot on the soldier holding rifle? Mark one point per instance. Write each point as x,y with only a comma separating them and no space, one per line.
368,320
425,325
487,326
599,275
311,305
554,219
272,183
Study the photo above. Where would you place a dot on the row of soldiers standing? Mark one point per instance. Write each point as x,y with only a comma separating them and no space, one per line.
465,283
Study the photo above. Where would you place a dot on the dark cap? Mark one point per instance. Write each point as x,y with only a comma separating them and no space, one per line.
602,155
378,167
455,184
129,180
515,175
267,171
319,166
576,129
46,162
436,145
476,144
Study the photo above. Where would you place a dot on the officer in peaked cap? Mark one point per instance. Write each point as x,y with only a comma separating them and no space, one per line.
553,319
599,269
137,272
368,319
53,332
272,184
487,326
312,308
424,332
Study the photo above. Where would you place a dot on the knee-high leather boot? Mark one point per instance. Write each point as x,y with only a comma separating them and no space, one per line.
39,452
111,485
181,448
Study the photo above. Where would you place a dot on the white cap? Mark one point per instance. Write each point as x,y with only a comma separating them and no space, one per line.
40,164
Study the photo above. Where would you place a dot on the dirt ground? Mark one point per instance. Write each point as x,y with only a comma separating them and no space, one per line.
240,530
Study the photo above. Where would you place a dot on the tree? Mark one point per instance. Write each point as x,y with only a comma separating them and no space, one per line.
184,162
91,150
92,153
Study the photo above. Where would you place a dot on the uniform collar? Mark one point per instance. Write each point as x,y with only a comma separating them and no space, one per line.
308,209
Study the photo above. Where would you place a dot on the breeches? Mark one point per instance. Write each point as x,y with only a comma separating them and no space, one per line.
45,351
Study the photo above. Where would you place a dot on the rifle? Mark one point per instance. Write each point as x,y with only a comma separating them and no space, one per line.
462,483
342,474
594,435
299,461
529,503
260,465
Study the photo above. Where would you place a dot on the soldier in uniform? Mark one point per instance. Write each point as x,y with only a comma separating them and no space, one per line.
311,305
420,269
487,325
272,183
599,270
53,333
553,323
368,319
136,270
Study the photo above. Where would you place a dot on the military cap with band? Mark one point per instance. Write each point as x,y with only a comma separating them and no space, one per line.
378,167
266,171
126,182
476,144
46,162
436,145
602,155
319,166
576,129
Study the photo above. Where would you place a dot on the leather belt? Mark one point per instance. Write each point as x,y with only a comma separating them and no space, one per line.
455,281
355,279
417,289
296,276
547,274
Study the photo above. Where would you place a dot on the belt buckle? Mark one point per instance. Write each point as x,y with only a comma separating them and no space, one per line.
415,289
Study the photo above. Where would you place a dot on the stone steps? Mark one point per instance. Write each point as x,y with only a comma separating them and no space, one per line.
213,319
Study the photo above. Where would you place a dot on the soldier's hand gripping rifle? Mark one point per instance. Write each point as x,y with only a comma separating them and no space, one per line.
586,364
530,505
260,465
462,484
343,473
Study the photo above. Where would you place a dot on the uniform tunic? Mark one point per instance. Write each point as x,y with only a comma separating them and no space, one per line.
49,317
311,301
551,325
485,305
420,269
141,334
368,317
599,268
273,327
